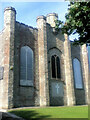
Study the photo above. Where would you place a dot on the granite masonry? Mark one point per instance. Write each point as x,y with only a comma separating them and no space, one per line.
59,71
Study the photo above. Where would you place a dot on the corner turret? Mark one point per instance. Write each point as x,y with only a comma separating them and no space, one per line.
51,17
9,16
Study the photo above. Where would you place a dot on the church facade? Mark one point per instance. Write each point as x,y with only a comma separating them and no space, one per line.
39,67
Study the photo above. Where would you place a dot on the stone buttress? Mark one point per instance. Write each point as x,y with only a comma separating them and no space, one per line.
8,57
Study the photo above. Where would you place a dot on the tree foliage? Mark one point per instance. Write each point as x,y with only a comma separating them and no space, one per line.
77,21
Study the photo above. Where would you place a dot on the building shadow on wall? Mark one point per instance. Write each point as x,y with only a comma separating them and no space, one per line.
29,114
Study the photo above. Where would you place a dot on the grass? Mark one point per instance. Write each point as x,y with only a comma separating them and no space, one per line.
52,112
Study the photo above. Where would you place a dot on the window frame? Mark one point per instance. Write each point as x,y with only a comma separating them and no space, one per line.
1,72
74,74
23,82
56,66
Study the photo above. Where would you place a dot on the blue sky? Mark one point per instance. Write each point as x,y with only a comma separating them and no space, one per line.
27,12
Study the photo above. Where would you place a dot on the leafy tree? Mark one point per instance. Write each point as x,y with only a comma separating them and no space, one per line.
77,21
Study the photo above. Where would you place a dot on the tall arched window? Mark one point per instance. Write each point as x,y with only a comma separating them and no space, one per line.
77,73
55,65
26,66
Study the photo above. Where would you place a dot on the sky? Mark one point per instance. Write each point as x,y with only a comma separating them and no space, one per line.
27,12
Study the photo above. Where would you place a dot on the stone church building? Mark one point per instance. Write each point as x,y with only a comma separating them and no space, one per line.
39,67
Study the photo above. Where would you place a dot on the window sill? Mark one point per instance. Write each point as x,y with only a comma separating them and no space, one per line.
26,83
57,79
79,88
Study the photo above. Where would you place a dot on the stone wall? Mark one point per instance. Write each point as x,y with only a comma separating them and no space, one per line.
7,56
79,93
69,81
43,61
86,72
25,95
44,42
56,46
1,65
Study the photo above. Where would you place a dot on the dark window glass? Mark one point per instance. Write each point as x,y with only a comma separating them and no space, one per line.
58,67
26,64
53,67
77,73
1,72
55,63
23,64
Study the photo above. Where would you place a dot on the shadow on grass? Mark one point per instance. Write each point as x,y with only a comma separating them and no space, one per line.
28,115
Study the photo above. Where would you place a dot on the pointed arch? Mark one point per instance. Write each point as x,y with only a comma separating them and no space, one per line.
55,65
77,74
26,66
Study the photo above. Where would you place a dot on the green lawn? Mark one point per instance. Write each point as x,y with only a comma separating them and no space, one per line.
53,112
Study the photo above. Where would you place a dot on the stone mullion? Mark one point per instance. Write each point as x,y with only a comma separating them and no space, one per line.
56,66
